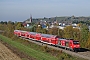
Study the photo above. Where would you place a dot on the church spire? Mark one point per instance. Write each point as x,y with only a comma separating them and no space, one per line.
30,18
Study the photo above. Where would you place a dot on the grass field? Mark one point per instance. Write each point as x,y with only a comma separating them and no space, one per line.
35,52
29,51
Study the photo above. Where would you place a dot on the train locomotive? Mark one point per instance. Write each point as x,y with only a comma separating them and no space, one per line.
50,39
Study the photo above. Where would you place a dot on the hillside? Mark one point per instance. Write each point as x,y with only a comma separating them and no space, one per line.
65,19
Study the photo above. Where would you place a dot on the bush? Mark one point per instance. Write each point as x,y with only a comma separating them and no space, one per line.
45,48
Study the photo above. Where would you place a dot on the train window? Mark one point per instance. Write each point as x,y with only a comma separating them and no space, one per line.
75,42
70,39
57,37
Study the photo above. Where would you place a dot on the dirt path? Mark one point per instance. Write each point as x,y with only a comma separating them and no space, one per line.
6,54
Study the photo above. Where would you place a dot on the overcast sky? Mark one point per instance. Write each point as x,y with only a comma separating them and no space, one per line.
20,10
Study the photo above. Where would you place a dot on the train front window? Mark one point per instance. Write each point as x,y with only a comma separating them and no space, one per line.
75,42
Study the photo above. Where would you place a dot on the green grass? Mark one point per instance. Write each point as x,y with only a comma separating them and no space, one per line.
36,51
29,51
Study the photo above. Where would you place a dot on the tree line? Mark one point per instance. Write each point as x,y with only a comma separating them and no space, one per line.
82,34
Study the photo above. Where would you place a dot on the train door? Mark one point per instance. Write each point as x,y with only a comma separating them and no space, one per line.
66,43
59,42
62,42
70,44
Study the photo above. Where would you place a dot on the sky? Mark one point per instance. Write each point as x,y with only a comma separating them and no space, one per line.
20,10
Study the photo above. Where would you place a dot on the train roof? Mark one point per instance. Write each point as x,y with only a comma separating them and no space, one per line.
47,35
23,31
18,30
32,33
65,39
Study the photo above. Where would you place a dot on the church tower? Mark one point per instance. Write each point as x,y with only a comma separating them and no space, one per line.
30,18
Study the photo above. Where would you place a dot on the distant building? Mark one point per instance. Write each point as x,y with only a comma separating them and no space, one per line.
28,22
63,25
74,25
30,18
89,28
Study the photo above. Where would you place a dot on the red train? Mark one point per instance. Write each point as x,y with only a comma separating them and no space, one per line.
50,39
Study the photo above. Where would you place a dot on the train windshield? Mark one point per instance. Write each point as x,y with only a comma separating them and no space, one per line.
75,42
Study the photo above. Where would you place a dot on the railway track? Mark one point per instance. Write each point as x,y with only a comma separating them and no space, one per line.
84,53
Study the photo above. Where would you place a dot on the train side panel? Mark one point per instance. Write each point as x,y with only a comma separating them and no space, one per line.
49,39
38,37
70,44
